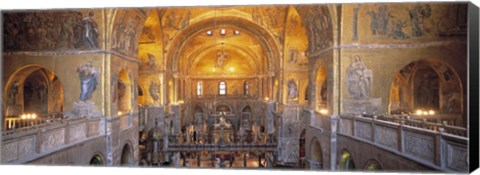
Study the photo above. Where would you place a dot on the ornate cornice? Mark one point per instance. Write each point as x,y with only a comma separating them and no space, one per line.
72,52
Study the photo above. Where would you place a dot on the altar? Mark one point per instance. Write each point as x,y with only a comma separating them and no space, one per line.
222,131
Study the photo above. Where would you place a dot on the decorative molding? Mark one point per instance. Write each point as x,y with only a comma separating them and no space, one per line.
383,46
73,52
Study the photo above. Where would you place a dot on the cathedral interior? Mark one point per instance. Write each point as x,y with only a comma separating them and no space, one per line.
335,87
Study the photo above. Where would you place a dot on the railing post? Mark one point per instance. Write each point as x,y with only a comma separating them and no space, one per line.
374,118
438,148
67,132
401,137
38,140
353,126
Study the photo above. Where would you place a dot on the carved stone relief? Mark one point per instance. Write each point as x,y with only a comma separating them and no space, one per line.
363,130
26,147
457,157
77,133
9,152
52,140
419,145
346,126
93,129
386,136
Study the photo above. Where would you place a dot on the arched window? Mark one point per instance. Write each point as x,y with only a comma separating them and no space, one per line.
199,88
222,88
245,88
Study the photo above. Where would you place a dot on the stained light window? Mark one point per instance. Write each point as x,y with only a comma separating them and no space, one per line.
245,88
222,86
199,88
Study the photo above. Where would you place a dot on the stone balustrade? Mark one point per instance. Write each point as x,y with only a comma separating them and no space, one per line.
14,124
26,144
433,145
423,123
268,147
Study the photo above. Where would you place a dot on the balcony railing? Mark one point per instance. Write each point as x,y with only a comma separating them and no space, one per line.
23,144
435,145
422,123
267,147
18,124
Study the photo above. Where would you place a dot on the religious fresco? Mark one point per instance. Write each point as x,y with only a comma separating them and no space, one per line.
435,86
127,30
319,29
274,59
272,18
295,41
52,30
359,79
89,77
400,22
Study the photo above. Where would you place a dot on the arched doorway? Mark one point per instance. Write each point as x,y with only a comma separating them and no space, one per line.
346,161
316,161
33,90
372,165
127,156
97,160
424,86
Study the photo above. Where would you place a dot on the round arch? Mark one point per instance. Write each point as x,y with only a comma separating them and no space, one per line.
195,57
246,108
319,38
346,162
427,85
127,155
372,165
267,40
97,160
224,107
35,89
316,154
